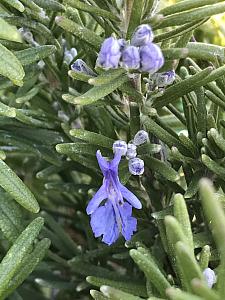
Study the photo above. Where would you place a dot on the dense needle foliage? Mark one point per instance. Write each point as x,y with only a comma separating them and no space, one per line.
56,112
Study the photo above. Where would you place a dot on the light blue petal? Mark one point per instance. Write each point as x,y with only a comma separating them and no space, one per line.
99,196
129,228
111,230
130,197
99,221
129,223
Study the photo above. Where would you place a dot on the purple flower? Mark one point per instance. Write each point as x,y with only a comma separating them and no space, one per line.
131,57
110,53
114,216
151,58
142,35
210,277
136,166
81,67
165,78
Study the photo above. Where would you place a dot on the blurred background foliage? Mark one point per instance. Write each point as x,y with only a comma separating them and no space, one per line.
213,31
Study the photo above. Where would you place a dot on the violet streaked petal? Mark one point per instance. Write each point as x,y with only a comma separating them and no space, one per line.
103,163
130,197
129,224
111,231
113,165
99,196
129,228
99,221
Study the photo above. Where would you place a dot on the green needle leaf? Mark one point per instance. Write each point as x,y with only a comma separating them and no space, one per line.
115,294
151,270
10,66
13,259
8,32
92,9
11,183
96,93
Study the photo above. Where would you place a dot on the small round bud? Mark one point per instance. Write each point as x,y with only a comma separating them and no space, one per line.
136,166
69,55
131,150
120,146
210,277
140,137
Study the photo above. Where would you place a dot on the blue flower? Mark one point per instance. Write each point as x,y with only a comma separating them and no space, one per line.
81,67
142,35
110,53
114,216
151,58
131,57
165,78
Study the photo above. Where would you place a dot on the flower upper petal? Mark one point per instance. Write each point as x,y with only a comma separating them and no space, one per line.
130,197
115,162
99,196
103,163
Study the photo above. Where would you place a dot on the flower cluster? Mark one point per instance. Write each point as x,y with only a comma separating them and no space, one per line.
136,165
141,54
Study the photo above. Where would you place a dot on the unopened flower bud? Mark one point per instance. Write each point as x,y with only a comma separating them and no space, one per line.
151,58
210,277
164,79
131,150
142,35
136,166
120,146
131,58
109,54
28,36
69,55
80,66
140,137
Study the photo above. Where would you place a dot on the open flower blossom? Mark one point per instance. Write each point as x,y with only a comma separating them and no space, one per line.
114,216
